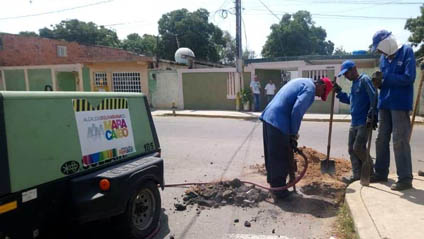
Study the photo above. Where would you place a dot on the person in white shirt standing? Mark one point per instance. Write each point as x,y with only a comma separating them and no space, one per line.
255,86
270,91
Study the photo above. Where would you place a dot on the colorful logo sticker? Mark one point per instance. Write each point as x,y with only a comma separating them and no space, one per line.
105,131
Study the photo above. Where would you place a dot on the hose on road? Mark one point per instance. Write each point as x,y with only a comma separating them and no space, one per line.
289,185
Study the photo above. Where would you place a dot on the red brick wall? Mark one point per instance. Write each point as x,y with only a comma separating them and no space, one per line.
21,51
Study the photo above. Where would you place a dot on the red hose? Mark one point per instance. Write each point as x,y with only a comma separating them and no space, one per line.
290,184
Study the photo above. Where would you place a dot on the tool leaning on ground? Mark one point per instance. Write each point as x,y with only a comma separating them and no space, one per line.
367,165
327,165
417,102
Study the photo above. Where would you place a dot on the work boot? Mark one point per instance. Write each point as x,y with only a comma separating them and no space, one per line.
281,194
375,179
421,173
399,186
287,197
349,180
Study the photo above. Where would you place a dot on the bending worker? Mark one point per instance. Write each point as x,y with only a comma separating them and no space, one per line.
396,83
362,107
281,122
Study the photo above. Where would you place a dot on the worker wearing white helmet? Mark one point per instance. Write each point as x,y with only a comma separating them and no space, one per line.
396,84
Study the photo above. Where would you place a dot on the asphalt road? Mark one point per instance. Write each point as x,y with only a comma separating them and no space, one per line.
209,149
204,149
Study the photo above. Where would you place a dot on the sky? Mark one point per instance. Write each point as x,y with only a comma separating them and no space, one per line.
349,23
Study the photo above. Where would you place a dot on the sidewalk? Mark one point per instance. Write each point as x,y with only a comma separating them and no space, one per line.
255,115
379,212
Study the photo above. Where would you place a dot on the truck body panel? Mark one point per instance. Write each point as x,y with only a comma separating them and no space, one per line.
55,147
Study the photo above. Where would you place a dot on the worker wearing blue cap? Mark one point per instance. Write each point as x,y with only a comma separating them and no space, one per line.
396,84
362,107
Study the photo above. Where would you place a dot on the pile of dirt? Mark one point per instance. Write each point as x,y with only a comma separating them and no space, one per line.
314,182
237,193
223,193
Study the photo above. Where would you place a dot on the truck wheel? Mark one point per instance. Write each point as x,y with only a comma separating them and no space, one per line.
143,211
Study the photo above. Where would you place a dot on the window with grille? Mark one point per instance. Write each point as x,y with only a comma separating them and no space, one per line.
100,79
61,51
126,81
315,74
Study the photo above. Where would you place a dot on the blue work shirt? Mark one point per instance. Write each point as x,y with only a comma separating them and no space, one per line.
397,88
362,93
286,110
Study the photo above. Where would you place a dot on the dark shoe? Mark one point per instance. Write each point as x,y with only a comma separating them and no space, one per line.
280,194
421,173
290,196
399,186
375,179
349,180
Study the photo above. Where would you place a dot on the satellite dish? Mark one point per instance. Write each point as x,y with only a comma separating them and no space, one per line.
183,54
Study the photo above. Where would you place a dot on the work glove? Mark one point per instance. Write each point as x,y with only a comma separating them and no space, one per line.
372,120
293,141
377,79
337,88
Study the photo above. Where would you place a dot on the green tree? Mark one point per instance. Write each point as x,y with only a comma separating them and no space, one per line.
181,28
28,34
416,27
340,51
297,35
145,45
227,52
82,32
248,54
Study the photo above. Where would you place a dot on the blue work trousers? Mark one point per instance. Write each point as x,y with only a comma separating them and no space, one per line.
398,123
269,98
256,101
357,145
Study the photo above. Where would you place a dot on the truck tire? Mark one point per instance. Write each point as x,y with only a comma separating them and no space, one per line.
142,215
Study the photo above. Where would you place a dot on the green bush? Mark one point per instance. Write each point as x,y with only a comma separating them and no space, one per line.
246,95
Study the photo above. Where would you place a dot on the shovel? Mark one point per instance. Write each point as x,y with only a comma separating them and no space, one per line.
367,164
417,101
327,165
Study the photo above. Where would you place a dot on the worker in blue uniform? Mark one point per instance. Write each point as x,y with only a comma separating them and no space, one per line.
362,109
396,83
281,122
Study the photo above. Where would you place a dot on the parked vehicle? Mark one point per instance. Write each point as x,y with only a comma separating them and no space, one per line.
76,157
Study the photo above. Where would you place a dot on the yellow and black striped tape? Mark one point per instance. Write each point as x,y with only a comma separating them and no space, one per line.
106,104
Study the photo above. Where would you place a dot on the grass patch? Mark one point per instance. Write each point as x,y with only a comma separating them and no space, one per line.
344,225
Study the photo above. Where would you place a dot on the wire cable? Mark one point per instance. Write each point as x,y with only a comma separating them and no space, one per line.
270,10
56,11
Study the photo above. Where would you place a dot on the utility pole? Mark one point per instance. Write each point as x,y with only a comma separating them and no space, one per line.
238,37
239,56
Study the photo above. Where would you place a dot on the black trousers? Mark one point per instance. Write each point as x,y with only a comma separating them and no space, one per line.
278,155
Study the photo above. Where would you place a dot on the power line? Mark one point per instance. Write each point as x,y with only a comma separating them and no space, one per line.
269,10
245,34
340,15
56,11
366,2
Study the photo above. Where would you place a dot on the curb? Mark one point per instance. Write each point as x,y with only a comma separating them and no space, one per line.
371,222
253,117
210,116
364,225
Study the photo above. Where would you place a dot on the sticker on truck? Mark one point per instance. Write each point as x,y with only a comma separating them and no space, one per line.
105,131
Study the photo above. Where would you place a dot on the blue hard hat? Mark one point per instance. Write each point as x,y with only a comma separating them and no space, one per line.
346,65
378,37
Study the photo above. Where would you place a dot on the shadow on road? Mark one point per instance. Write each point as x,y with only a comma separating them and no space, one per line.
164,226
315,206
